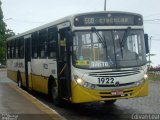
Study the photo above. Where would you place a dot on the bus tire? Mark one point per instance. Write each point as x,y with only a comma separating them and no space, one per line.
54,95
109,102
19,80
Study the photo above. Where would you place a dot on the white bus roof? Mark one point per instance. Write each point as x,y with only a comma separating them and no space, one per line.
63,20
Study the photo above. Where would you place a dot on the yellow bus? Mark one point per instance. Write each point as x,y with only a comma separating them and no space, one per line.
97,56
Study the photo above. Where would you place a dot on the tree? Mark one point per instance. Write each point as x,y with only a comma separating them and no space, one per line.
4,34
2,37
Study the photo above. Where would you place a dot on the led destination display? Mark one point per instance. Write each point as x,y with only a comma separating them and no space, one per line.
107,19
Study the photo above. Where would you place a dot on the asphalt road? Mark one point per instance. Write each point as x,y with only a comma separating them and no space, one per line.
121,110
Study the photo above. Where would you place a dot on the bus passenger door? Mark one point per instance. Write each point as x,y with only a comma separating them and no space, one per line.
64,69
27,56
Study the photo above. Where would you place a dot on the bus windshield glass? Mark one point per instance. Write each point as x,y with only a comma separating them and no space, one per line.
89,52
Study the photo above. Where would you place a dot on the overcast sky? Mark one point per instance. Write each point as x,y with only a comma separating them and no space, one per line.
22,15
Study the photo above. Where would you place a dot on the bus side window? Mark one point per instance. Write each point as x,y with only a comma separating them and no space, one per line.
42,43
21,48
52,37
16,47
35,45
8,49
12,49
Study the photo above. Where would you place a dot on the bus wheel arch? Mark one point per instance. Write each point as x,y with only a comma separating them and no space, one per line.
19,79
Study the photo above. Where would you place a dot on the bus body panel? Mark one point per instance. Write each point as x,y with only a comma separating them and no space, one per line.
13,66
41,70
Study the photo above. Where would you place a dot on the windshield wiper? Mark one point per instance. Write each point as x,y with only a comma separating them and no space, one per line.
124,38
101,40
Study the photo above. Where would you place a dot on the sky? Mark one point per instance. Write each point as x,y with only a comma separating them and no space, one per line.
23,15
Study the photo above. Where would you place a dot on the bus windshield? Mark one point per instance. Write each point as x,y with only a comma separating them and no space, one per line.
89,52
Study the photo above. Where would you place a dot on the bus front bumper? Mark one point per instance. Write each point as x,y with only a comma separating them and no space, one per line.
84,95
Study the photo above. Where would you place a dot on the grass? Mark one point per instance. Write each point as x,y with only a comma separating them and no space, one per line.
153,76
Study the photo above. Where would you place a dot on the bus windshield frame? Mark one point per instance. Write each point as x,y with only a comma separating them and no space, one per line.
91,53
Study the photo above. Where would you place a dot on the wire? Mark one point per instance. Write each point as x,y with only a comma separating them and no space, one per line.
151,15
147,22
153,20
156,39
27,21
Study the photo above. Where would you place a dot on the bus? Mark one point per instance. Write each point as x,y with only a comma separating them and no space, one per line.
83,58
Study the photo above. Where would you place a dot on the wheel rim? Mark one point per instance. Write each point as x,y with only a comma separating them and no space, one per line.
19,83
54,93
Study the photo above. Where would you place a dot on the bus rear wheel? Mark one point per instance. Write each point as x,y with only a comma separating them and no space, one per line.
109,102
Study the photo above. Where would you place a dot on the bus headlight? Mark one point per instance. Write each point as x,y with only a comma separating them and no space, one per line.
85,84
145,76
80,81
139,82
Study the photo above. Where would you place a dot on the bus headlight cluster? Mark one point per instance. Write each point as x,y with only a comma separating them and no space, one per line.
80,81
139,82
85,84
145,76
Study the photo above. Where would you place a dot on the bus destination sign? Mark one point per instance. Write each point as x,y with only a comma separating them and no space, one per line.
104,19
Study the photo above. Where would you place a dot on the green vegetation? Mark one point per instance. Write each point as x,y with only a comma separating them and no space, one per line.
2,37
4,34
154,73
154,76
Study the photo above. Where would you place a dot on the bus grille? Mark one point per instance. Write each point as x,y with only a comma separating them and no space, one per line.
114,73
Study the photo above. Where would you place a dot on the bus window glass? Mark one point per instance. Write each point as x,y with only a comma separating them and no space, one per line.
21,47
42,43
12,49
8,49
132,53
90,51
16,47
52,38
35,45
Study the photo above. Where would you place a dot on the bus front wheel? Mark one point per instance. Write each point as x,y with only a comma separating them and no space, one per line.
54,94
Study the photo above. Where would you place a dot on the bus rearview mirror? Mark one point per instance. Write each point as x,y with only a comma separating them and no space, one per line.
146,43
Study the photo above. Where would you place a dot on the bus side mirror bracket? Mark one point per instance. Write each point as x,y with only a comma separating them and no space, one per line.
146,43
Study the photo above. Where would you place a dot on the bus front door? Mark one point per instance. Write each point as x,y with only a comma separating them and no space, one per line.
27,60
64,69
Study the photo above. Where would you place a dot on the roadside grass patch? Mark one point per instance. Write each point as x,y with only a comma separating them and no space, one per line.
154,76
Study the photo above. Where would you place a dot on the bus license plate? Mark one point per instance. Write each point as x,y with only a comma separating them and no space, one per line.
117,92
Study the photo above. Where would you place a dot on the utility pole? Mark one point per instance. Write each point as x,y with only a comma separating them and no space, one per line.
105,5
